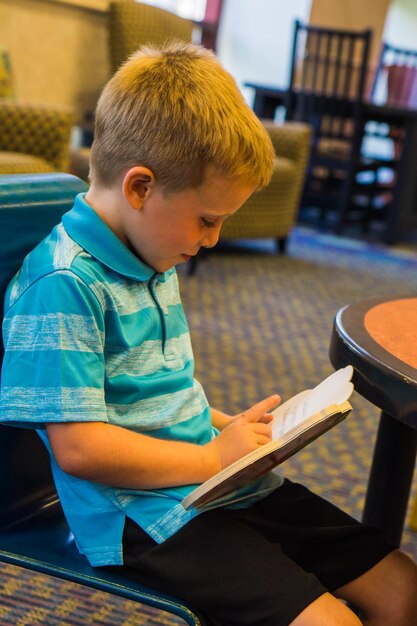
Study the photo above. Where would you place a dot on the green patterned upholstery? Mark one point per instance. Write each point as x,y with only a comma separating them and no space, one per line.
272,212
33,138
133,24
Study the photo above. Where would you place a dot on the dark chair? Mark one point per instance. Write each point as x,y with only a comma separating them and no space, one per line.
395,86
33,530
326,89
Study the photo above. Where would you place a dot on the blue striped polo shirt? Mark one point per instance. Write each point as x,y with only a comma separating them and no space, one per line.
91,333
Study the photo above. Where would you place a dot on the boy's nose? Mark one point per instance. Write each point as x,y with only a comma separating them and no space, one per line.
211,237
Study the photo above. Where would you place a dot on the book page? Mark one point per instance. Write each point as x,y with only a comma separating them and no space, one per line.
335,389
290,414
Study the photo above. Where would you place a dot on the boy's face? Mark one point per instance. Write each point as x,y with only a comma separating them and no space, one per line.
169,229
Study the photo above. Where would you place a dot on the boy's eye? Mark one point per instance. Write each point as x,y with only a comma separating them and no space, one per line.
208,224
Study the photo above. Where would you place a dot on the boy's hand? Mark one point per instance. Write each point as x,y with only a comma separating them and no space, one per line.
246,432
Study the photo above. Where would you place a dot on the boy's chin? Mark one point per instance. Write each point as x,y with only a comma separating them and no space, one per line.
165,265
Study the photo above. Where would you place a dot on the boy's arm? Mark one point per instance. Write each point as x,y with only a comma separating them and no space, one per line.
110,454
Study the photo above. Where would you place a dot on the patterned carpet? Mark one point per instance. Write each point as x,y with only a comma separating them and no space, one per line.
260,324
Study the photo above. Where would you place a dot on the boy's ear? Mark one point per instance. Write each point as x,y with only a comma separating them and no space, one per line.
137,184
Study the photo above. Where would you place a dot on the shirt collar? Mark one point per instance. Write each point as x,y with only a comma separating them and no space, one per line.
87,228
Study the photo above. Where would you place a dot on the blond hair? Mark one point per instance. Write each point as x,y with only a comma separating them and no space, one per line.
176,110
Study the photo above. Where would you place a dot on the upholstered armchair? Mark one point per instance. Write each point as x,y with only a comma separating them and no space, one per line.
133,24
33,138
272,212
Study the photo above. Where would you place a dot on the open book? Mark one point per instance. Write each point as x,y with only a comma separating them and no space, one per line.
296,423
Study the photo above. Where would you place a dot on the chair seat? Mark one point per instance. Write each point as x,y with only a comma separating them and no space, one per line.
20,163
45,545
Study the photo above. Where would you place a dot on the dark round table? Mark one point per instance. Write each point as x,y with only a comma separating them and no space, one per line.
378,337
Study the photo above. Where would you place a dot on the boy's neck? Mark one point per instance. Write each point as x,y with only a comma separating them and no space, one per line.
107,203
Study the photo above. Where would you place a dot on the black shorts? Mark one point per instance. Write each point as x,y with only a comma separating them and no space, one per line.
257,566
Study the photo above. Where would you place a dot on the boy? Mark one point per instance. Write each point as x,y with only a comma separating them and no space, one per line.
95,329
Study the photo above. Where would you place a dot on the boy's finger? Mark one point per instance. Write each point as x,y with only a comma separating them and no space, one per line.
266,418
258,410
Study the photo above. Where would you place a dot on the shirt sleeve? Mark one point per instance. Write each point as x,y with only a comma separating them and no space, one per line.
53,367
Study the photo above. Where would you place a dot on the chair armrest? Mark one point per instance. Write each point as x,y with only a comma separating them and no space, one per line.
290,140
40,130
